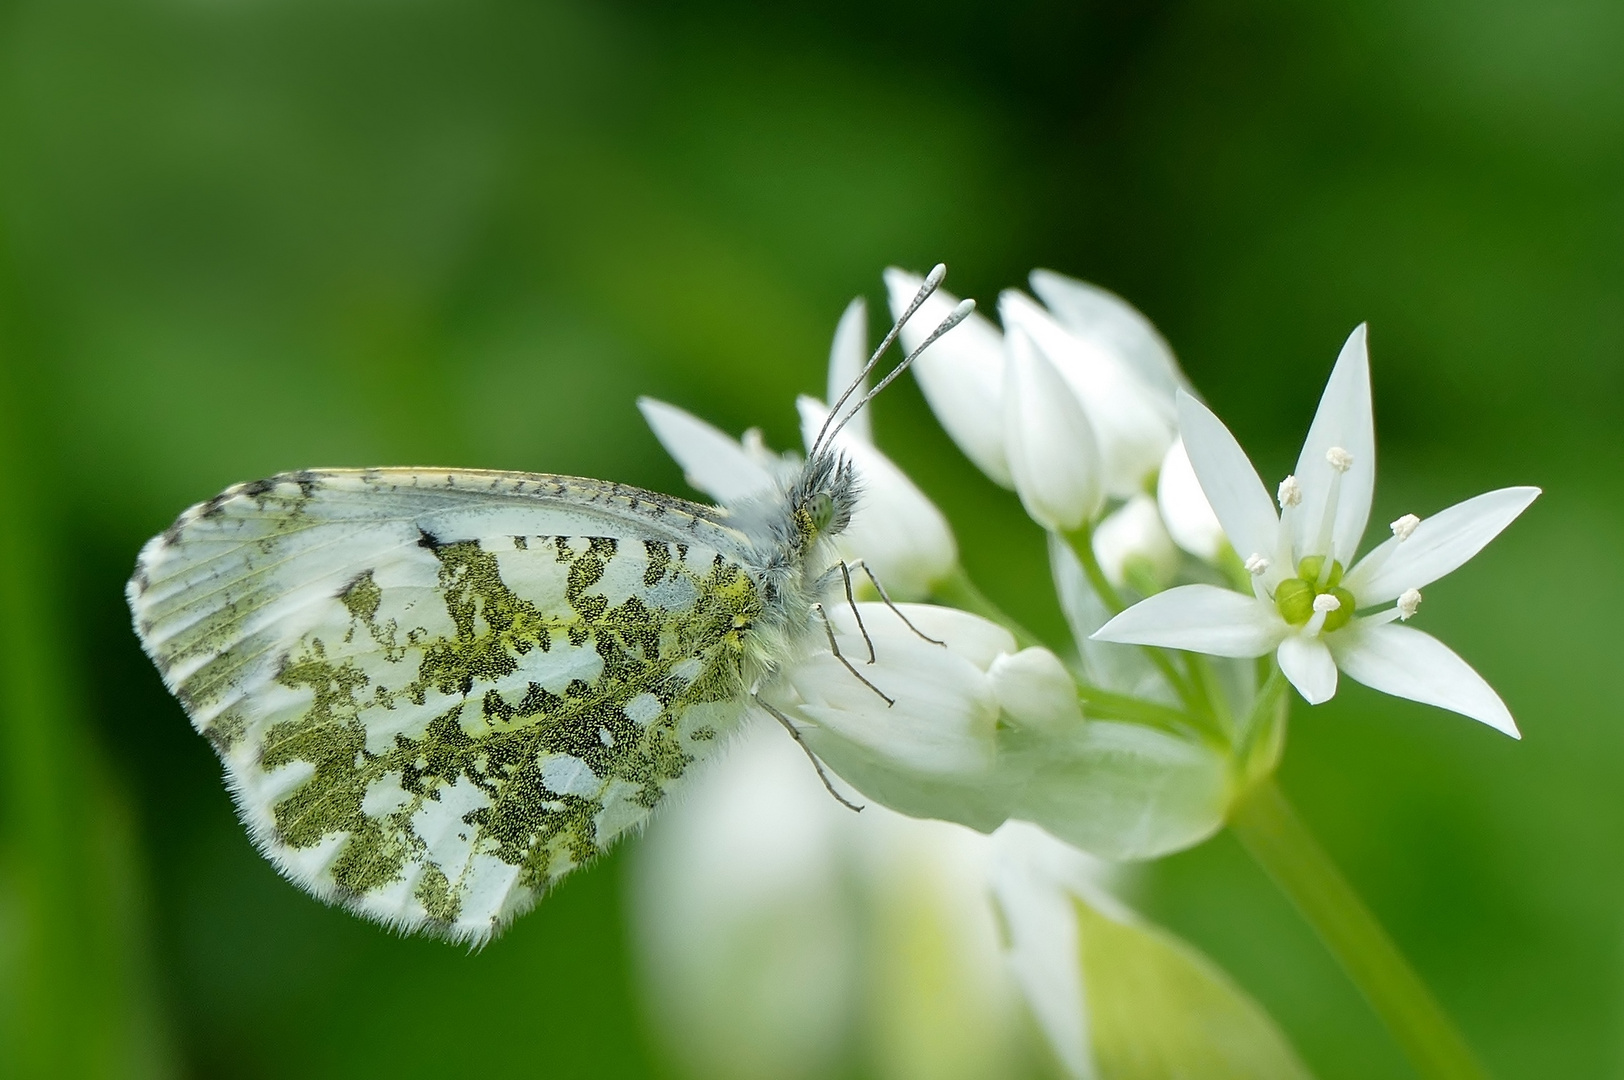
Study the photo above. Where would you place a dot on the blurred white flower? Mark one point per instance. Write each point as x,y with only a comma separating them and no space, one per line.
1304,602
1184,507
1048,441
780,935
783,936
896,530
1133,547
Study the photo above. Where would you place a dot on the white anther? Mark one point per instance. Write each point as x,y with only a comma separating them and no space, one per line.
1256,564
1404,526
1339,458
1326,602
1290,493
1408,602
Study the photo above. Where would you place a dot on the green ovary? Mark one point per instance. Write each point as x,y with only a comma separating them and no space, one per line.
1294,597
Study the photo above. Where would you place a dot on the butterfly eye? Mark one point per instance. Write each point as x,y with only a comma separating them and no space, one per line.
821,509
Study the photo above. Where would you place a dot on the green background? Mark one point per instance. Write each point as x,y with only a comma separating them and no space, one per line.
239,236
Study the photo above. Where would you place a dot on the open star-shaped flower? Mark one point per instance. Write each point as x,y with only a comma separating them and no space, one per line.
1307,591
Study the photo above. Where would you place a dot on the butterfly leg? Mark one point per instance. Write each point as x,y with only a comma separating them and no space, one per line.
860,564
789,726
851,599
834,647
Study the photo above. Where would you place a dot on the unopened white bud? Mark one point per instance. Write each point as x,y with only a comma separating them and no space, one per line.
1048,441
1326,602
1404,526
1256,564
1409,601
1339,458
1290,493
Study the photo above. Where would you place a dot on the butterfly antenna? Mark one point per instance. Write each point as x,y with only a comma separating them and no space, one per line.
958,315
932,282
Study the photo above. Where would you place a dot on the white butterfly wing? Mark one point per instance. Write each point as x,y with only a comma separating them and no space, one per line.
436,692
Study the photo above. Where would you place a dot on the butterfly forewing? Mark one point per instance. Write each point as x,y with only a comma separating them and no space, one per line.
436,693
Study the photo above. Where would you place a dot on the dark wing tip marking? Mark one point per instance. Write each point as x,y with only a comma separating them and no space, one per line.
426,539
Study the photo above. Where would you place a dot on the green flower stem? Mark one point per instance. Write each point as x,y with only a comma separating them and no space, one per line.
957,590
1082,545
1259,741
1212,694
1276,837
1106,705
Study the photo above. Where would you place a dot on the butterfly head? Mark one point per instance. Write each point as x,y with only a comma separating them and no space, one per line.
822,499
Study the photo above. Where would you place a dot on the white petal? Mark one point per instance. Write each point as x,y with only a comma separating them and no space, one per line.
1184,507
1133,422
1133,537
1099,315
896,529
1438,545
847,355
1307,663
1048,441
1199,618
1407,663
1344,421
961,375
1029,872
1230,482
714,463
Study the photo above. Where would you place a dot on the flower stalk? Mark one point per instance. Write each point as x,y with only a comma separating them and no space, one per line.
1268,827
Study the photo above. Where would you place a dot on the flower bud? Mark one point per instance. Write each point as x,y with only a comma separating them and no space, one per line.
1049,441
1134,422
961,375
1035,690
1133,547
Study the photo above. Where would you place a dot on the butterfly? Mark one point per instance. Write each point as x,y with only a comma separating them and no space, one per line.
436,692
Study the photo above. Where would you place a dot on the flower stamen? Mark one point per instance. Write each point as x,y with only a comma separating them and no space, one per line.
1404,526
1409,601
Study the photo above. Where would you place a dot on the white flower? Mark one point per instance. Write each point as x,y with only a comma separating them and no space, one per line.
1304,604
1118,369
896,530
1048,441
1184,506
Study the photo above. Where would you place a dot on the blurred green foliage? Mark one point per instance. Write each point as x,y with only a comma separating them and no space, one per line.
238,236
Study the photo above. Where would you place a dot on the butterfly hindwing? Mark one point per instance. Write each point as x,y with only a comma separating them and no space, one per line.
436,693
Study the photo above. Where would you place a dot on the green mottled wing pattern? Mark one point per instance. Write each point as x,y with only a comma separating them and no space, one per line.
436,693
